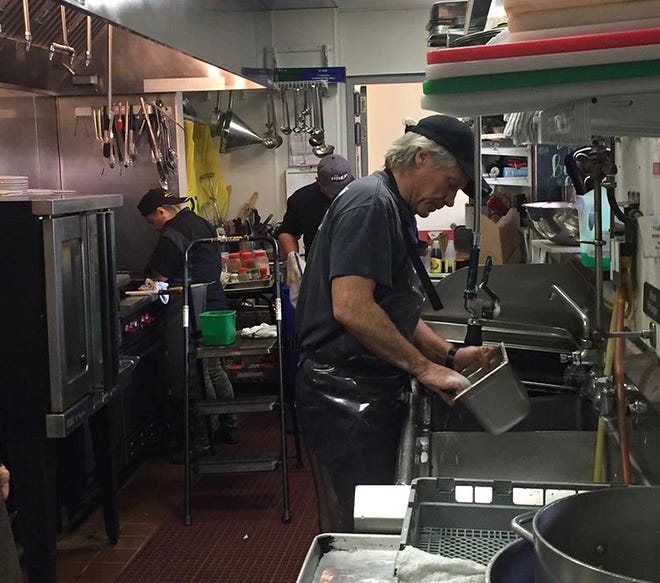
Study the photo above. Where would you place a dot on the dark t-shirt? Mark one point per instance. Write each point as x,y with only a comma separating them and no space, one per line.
205,263
362,234
304,212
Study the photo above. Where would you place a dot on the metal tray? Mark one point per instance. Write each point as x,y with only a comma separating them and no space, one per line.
471,519
350,558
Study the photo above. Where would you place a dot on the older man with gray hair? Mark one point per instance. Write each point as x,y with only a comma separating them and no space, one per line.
358,315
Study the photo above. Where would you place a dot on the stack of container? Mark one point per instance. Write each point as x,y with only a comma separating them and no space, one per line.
247,266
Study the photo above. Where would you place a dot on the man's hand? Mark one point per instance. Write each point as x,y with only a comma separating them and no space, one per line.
443,381
468,355
4,482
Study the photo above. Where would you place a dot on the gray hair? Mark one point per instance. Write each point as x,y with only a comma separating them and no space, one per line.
401,154
175,208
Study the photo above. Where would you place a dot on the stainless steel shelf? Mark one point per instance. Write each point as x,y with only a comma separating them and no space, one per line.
242,347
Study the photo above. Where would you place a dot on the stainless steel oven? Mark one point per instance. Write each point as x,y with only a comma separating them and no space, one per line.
61,323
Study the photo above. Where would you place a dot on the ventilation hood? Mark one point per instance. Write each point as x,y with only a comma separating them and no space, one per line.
139,64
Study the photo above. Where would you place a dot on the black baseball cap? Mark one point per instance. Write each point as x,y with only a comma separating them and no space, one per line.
458,139
158,197
334,173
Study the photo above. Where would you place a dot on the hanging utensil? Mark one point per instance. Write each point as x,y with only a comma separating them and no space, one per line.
272,139
127,123
105,119
317,135
286,128
155,150
132,149
323,149
296,110
305,110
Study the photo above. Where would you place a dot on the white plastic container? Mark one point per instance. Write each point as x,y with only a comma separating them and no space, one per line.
450,257
261,262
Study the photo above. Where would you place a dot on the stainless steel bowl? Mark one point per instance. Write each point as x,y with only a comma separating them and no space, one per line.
557,221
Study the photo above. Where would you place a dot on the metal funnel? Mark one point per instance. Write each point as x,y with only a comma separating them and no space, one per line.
236,134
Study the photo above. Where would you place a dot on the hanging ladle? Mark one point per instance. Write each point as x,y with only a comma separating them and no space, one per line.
322,149
317,134
285,129
272,139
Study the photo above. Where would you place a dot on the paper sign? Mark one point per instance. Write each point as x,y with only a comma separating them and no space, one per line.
649,231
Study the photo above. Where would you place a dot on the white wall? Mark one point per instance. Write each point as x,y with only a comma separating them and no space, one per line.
384,42
635,157
388,106
366,43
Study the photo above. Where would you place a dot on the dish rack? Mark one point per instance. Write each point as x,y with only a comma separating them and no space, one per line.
471,519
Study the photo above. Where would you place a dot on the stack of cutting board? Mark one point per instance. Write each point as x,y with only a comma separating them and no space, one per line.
529,15
537,74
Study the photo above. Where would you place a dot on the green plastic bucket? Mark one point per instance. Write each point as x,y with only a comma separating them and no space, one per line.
218,327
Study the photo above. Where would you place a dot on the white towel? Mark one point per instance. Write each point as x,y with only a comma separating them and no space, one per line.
155,286
295,267
416,566
260,331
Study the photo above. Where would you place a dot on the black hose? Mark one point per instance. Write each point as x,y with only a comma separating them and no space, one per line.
616,209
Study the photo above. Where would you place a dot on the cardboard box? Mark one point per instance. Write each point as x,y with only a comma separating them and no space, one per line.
501,240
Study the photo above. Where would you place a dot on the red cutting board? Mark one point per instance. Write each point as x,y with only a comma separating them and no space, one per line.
605,40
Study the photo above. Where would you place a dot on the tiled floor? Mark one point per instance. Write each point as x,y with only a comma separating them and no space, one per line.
216,547
145,501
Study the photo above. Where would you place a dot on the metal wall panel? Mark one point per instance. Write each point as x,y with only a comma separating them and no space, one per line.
85,170
28,140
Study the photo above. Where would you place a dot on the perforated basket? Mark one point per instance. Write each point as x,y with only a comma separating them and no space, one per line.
471,519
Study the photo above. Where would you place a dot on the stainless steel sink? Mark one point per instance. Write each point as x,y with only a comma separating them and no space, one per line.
528,319
544,456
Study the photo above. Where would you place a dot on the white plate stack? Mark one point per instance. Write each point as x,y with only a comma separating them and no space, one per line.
39,192
13,185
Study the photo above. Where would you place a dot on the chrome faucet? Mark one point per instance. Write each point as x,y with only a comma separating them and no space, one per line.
556,291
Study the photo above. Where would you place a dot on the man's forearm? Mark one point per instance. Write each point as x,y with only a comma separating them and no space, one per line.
375,331
288,243
434,347
355,309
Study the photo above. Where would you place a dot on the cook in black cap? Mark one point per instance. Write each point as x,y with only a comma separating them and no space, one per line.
156,198
178,226
358,317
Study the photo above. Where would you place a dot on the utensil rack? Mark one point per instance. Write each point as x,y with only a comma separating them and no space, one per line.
261,460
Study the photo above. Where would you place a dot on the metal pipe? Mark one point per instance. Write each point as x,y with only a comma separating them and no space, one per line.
598,243
26,21
185,313
477,177
88,52
619,382
110,68
65,34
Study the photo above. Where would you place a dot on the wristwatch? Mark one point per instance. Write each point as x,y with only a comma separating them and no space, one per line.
451,356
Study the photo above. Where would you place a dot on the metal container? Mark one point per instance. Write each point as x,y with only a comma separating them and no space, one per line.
513,564
350,557
496,396
608,536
